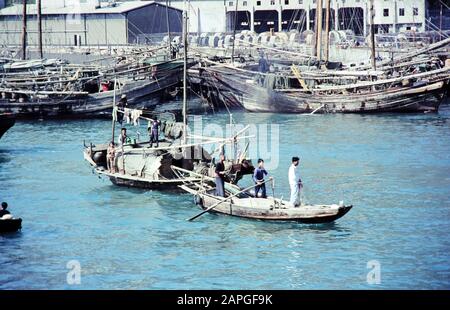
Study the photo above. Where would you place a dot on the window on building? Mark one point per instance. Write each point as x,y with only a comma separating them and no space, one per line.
300,1
401,12
286,2
244,3
415,11
272,2
258,3
230,3
386,12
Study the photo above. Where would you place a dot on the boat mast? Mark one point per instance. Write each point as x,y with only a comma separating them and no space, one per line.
234,31
185,31
440,24
169,42
24,30
319,15
372,36
327,31
114,107
39,20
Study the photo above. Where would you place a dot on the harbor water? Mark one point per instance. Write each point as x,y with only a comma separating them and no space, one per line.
394,169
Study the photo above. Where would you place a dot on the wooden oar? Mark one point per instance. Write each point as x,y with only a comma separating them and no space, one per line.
228,198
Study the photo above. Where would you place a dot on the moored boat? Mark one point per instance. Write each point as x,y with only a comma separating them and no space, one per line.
10,225
271,209
7,120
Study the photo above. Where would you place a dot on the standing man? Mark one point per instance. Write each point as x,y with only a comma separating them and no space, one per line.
295,182
258,178
123,138
220,177
154,132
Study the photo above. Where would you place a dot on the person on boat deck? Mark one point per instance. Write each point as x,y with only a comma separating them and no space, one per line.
110,157
263,64
220,177
258,178
123,138
3,210
123,103
295,182
154,132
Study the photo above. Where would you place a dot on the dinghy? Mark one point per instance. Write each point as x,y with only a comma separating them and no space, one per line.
239,202
10,225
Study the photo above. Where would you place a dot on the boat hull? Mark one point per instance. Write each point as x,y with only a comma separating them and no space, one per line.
12,225
269,209
422,98
6,122
140,94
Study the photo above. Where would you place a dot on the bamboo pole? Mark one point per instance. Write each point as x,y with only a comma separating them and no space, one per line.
319,21
39,20
114,106
185,31
327,31
24,30
234,31
372,36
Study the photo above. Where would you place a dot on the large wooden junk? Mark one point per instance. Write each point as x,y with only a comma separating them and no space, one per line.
73,90
420,92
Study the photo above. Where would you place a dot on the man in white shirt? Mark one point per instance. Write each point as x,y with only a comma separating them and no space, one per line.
295,182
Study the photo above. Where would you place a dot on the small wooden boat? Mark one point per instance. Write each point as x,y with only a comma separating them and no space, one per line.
7,120
10,225
239,202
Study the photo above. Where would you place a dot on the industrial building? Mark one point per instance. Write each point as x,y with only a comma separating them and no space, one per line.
391,16
89,22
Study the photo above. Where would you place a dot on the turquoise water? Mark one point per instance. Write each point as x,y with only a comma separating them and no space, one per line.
394,169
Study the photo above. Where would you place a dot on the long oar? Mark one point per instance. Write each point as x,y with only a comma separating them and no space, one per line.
228,198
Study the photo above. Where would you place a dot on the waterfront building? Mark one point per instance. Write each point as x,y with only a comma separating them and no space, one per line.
88,22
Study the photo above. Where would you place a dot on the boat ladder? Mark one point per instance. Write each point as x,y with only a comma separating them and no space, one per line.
297,74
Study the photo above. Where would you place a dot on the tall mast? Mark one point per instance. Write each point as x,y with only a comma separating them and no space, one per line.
168,28
440,24
234,31
327,30
185,30
372,36
319,15
24,30
39,20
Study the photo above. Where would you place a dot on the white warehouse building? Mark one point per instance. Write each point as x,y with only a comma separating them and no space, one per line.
391,16
89,22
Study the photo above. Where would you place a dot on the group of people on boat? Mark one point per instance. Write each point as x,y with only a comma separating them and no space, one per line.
153,131
295,182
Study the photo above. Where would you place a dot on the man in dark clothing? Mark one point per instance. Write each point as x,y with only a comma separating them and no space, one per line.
258,178
123,103
3,210
220,177
154,132
263,64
